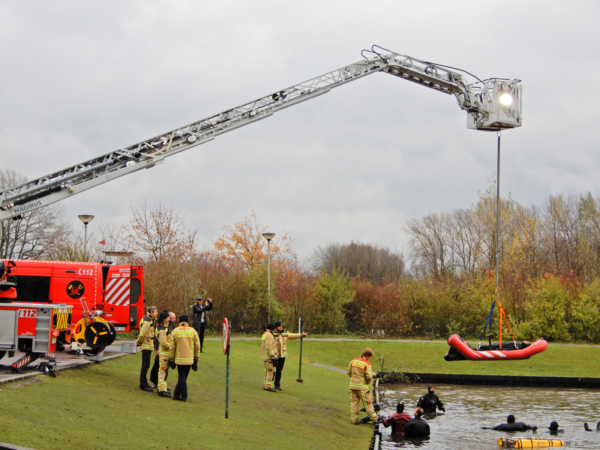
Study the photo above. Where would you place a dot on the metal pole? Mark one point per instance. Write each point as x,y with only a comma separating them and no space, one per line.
299,380
498,219
85,243
269,278
227,382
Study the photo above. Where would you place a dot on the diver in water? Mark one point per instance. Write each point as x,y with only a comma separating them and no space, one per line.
417,428
554,428
397,420
511,425
587,428
429,402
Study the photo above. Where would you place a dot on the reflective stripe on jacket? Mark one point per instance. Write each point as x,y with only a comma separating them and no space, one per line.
281,341
185,345
163,336
360,374
146,337
268,346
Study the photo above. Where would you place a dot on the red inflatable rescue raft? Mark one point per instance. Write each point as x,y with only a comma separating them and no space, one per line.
460,350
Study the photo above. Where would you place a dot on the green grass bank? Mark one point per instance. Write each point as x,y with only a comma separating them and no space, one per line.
102,406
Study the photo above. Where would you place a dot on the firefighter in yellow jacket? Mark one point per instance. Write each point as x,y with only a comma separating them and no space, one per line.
281,338
183,354
269,356
163,336
361,375
146,342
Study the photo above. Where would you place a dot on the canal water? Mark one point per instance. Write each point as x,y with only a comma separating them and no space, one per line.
468,408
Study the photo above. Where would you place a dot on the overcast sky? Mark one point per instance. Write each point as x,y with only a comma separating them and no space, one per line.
79,79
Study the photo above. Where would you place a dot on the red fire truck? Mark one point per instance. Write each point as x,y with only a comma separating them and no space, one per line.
115,293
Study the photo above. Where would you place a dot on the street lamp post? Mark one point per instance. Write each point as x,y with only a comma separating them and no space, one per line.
268,236
85,218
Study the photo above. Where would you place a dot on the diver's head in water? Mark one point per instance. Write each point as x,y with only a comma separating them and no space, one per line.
553,426
400,407
431,389
510,419
419,412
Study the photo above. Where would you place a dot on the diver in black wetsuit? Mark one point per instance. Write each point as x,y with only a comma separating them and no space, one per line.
417,428
554,428
511,425
429,402
587,428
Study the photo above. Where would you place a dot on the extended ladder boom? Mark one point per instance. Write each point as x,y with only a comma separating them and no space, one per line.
482,101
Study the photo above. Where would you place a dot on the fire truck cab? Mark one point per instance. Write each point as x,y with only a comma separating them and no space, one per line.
114,292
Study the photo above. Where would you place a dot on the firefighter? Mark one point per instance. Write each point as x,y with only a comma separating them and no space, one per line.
184,352
269,356
163,337
198,315
146,342
361,375
281,337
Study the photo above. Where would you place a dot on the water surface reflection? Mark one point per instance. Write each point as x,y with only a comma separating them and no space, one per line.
468,408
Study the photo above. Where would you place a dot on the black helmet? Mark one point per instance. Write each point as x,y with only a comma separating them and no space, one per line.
277,324
270,326
400,407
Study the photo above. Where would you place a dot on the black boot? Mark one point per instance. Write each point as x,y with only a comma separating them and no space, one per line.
146,388
270,390
164,394
278,387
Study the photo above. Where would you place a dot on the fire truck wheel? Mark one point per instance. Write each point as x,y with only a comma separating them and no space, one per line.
98,334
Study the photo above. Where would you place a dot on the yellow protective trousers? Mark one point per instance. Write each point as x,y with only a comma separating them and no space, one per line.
356,397
269,374
162,373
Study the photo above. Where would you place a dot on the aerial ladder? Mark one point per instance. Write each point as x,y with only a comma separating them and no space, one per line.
492,104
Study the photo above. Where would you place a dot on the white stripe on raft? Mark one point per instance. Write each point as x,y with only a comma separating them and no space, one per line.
487,354
502,355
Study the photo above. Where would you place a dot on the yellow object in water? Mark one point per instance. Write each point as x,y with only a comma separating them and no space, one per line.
530,442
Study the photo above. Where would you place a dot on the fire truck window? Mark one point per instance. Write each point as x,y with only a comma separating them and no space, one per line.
33,289
104,275
135,290
133,273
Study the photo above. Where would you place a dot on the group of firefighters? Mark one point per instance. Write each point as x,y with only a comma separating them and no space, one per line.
274,352
174,347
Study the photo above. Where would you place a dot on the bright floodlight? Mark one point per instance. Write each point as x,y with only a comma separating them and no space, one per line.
506,99
268,236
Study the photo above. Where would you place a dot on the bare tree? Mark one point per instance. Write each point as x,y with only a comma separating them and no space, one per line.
366,261
30,236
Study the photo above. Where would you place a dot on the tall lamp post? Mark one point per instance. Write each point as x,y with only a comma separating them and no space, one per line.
85,218
268,236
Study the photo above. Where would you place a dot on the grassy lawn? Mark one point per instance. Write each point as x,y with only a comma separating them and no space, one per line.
102,406
558,361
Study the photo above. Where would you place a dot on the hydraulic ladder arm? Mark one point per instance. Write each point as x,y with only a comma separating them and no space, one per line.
491,105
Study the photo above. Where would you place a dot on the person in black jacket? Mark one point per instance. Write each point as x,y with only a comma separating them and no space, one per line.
198,316
429,402
417,428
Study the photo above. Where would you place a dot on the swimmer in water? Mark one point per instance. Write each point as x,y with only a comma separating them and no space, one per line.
511,425
397,420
